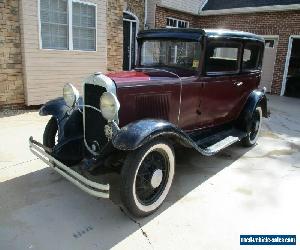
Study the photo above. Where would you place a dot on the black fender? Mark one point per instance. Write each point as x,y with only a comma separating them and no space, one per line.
138,133
57,108
256,98
70,147
61,112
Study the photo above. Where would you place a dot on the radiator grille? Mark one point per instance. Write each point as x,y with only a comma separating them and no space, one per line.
94,121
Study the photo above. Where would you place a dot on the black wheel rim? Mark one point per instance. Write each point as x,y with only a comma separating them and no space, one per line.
255,123
145,192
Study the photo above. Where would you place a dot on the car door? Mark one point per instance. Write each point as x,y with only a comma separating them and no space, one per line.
190,103
250,75
221,87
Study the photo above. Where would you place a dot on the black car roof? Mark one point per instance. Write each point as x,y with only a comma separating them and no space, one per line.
196,34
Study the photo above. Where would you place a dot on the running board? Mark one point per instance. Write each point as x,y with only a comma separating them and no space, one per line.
223,144
215,143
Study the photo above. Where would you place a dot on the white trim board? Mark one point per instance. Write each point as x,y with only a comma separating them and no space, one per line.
276,39
203,5
250,10
271,36
287,62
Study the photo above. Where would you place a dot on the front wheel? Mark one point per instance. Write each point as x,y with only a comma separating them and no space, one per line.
51,133
254,128
146,177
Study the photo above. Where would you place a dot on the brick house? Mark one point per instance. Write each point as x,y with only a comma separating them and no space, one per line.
11,77
46,43
189,8
277,20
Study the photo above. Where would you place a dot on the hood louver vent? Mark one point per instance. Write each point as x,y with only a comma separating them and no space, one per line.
153,106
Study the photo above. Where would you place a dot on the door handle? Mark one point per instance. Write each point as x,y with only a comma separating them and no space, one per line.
238,84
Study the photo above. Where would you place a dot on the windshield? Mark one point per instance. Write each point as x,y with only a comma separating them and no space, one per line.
170,53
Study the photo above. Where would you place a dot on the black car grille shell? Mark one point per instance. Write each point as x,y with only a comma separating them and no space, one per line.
94,122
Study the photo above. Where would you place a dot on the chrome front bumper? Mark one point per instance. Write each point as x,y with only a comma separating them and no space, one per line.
91,187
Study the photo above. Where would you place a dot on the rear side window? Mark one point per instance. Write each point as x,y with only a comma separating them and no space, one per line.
222,57
252,57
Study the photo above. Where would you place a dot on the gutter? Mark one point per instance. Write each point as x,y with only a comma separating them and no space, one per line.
273,8
146,14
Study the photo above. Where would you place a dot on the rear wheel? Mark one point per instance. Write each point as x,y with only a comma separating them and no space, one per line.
147,175
254,128
51,133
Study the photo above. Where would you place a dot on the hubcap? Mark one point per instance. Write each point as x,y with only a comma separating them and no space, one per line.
156,178
152,177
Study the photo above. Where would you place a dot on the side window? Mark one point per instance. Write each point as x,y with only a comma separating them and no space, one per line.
222,57
269,43
252,57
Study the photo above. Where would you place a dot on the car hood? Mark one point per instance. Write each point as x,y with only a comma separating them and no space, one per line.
138,77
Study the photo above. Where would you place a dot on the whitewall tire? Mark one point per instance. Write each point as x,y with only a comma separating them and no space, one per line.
146,177
255,127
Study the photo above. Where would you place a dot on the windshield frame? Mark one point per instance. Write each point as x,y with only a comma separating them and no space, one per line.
196,70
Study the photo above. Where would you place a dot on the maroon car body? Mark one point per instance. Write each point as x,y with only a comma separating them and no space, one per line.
205,101
190,100
190,87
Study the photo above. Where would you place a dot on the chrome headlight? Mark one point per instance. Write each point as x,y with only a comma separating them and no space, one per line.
70,94
109,105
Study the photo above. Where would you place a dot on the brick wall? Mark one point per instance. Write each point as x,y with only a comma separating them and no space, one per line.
115,35
283,24
137,7
162,13
11,81
115,10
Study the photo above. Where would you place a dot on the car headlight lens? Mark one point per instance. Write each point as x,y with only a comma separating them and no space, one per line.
109,105
70,94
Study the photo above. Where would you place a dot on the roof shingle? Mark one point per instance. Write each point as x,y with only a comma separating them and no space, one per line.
220,5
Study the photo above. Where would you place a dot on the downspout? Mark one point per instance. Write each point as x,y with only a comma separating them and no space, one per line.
146,14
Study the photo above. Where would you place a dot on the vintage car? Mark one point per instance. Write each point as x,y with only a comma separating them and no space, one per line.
194,88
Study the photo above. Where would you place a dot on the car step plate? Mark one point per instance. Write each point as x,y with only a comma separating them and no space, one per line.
221,140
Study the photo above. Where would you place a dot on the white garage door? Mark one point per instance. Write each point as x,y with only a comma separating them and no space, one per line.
269,63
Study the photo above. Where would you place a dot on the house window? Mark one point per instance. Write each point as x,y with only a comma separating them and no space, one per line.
176,23
84,26
54,24
59,31
269,43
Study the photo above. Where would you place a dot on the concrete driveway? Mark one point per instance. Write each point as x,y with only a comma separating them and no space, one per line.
212,201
